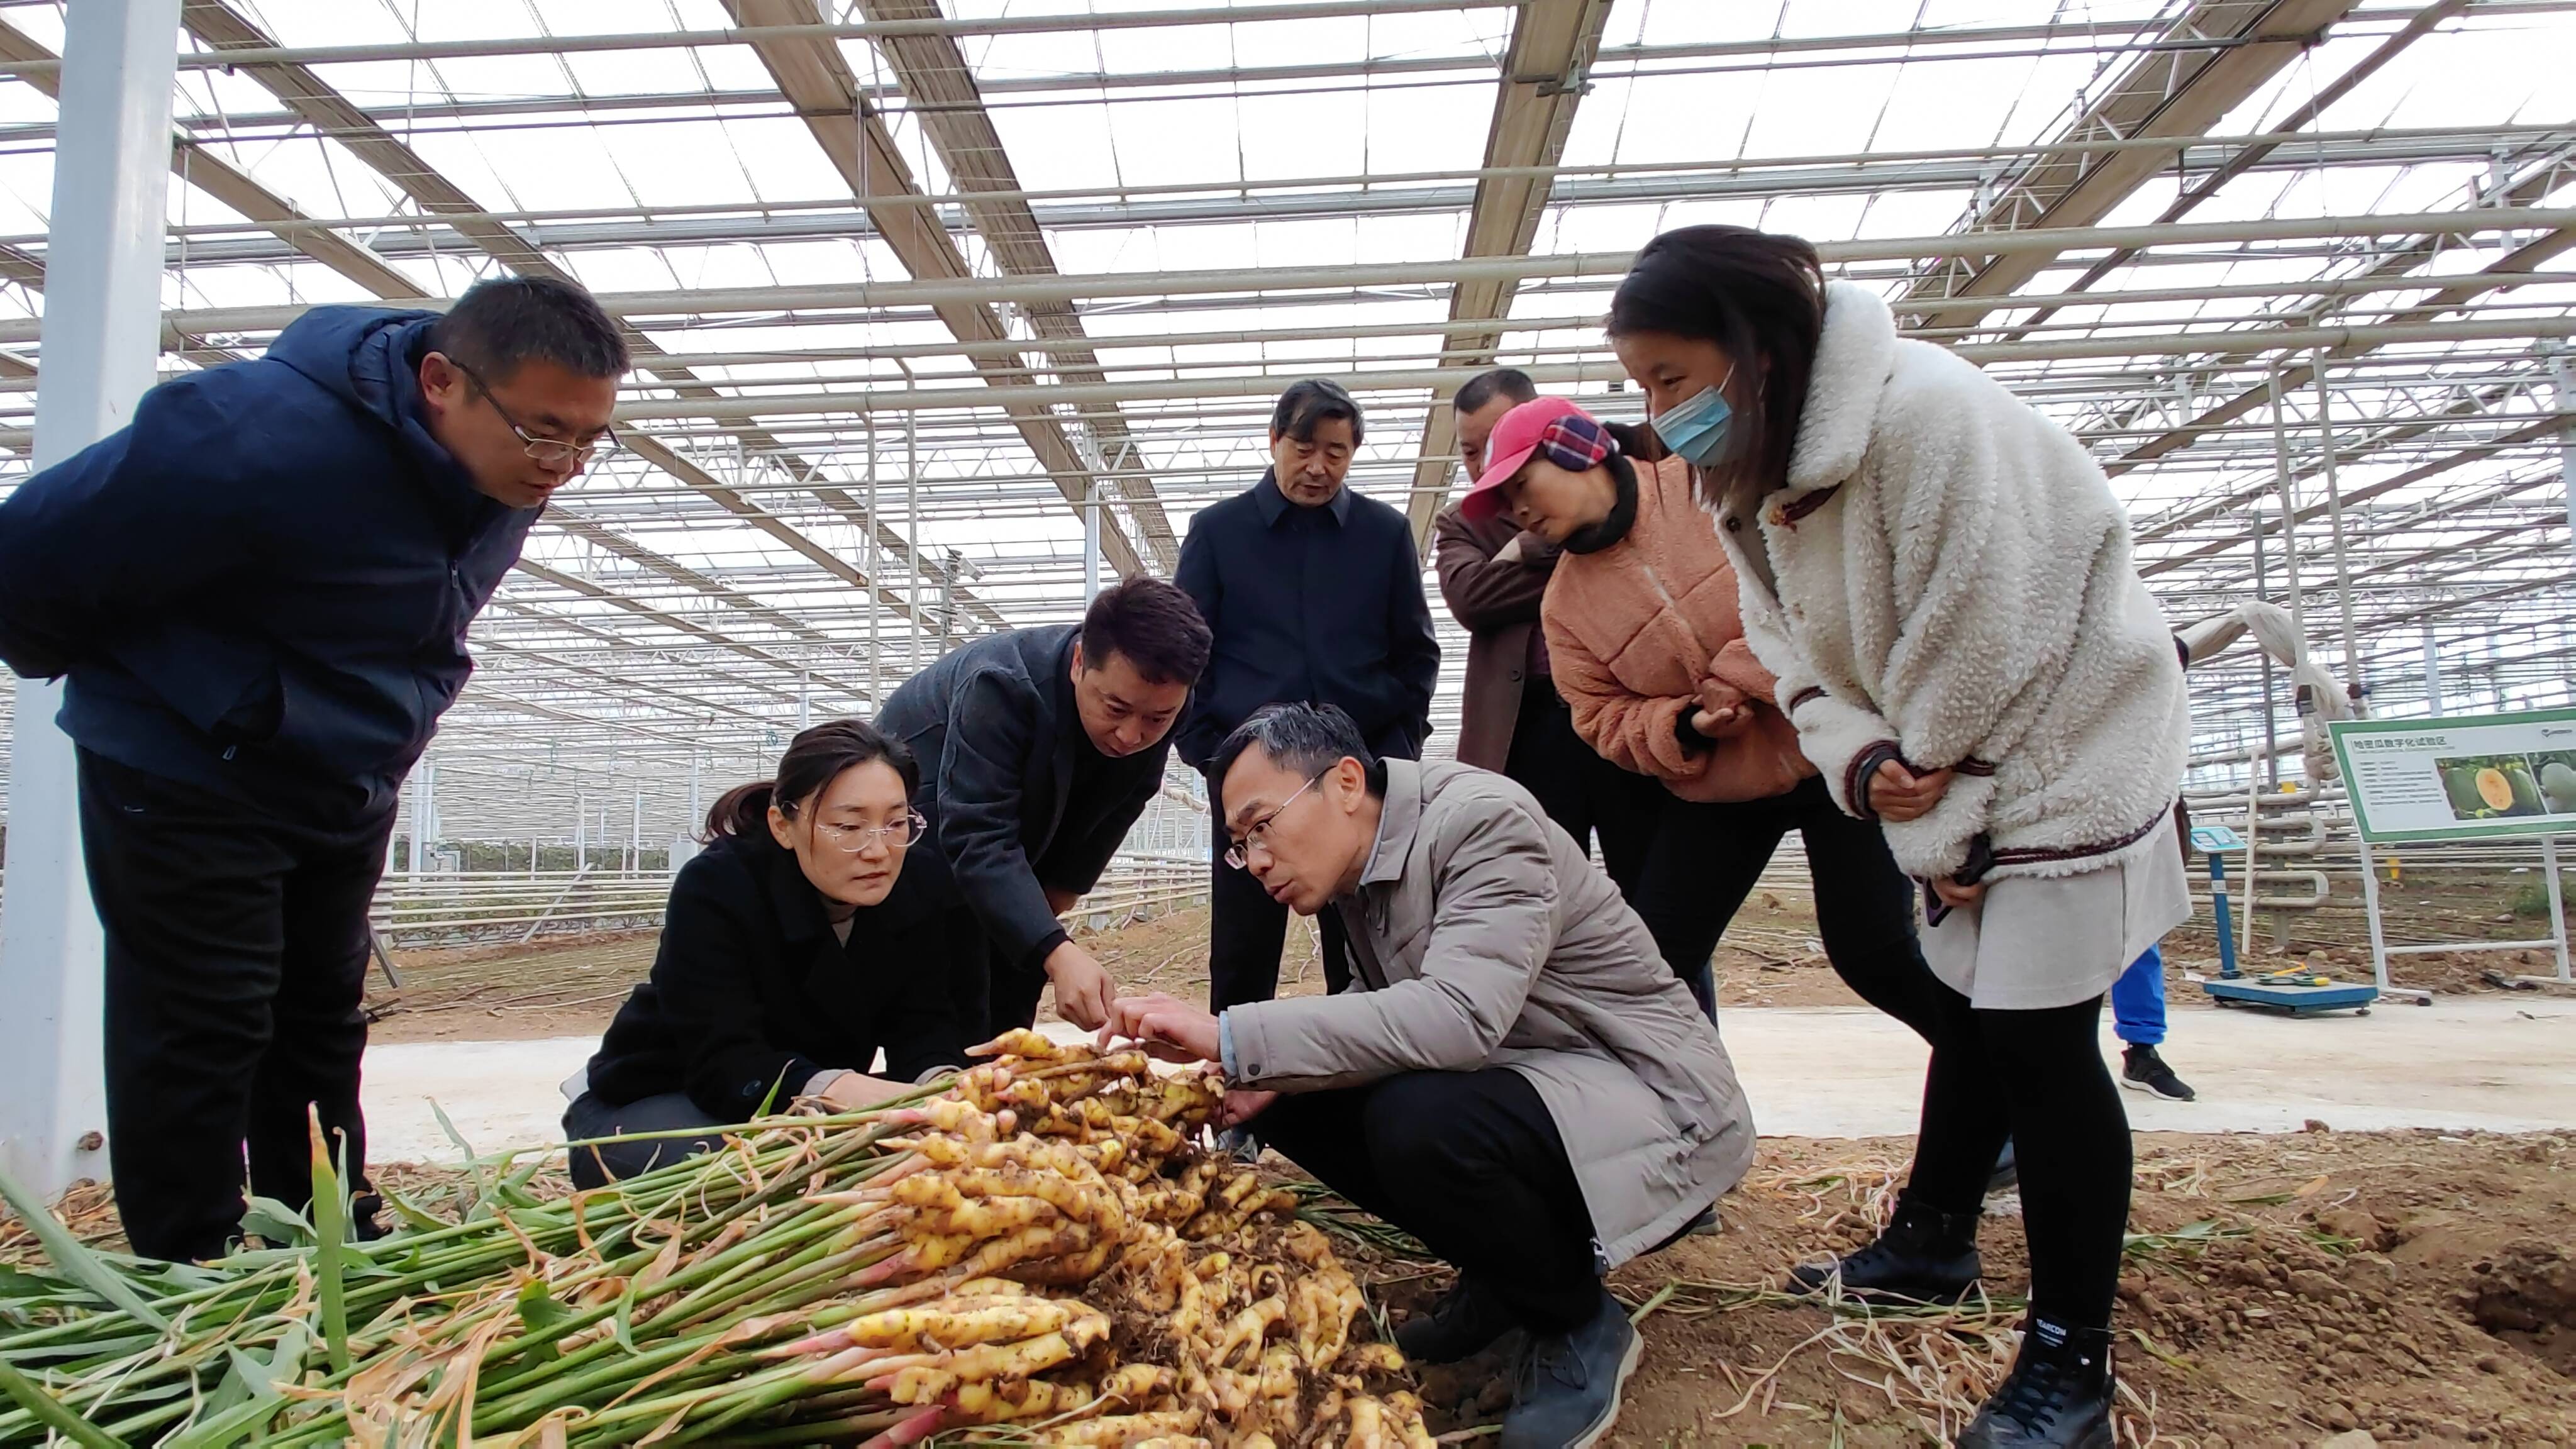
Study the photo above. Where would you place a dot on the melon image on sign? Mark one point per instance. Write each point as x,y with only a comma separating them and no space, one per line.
2497,787
2556,771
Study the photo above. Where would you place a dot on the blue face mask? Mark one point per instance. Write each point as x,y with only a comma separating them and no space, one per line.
1698,427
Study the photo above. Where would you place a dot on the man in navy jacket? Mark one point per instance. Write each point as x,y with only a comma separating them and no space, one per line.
1038,749
257,593
1315,594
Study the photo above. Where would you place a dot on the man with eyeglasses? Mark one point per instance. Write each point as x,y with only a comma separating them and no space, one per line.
1039,749
1515,1077
257,593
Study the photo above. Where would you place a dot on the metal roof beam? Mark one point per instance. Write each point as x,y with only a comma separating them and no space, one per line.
814,77
2162,93
1542,82
2410,256
2287,130
218,26
934,75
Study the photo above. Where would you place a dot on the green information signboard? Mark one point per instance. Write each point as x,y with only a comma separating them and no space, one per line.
2465,777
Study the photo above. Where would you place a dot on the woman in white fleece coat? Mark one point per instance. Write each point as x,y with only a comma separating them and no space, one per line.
1941,579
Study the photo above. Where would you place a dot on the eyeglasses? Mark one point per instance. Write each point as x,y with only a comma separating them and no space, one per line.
896,834
1256,836
552,452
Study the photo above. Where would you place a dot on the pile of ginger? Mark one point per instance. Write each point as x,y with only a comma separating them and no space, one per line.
1087,1274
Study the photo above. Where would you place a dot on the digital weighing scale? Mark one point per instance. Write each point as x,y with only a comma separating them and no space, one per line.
2295,993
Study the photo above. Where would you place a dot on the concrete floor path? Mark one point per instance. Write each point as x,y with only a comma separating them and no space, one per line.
2497,1063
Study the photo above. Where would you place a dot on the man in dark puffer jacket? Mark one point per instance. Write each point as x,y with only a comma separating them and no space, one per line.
257,593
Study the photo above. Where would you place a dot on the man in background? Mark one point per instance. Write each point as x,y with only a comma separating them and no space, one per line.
1493,575
258,593
1039,748
1315,595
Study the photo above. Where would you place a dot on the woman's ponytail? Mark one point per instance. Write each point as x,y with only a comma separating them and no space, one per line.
742,810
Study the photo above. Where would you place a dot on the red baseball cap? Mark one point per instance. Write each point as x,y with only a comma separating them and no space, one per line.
1572,439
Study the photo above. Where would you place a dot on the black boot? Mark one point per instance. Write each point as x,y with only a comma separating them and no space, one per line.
2058,1395
1921,1256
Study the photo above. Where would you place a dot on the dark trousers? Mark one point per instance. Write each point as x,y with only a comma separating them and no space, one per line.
1470,1163
1705,859
236,957
2037,1077
1247,929
1593,799
597,1163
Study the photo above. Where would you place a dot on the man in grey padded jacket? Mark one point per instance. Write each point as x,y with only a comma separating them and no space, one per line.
1515,1077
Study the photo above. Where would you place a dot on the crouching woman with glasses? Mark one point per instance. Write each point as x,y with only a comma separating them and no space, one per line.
795,949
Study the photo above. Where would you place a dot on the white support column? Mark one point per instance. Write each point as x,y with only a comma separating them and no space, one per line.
2432,674
420,812
912,537
2562,381
2352,667
876,610
1091,542
635,838
580,834
102,337
2288,489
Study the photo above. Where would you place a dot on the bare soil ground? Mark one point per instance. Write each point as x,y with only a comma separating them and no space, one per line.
1770,957
2279,1289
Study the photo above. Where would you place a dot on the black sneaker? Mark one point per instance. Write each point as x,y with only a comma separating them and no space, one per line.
1568,1393
1464,1322
2058,1395
2142,1070
1921,1256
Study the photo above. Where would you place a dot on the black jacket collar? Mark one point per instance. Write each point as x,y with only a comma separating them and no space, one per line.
1274,505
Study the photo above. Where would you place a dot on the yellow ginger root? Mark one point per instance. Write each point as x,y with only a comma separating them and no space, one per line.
1306,1243
1373,1358
998,1401
1368,1424
1187,1099
1404,1415
977,1221
1026,1044
1320,1318
924,1378
1136,1385
963,1322
1124,1431
1248,1328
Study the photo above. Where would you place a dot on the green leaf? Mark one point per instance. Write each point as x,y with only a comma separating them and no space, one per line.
276,1224
250,1394
74,1258
411,1212
539,1312
331,1227
50,1413
19,1283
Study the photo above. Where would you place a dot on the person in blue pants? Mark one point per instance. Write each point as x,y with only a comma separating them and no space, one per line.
2138,1018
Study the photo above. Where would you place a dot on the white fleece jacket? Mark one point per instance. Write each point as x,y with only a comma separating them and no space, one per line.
1948,572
